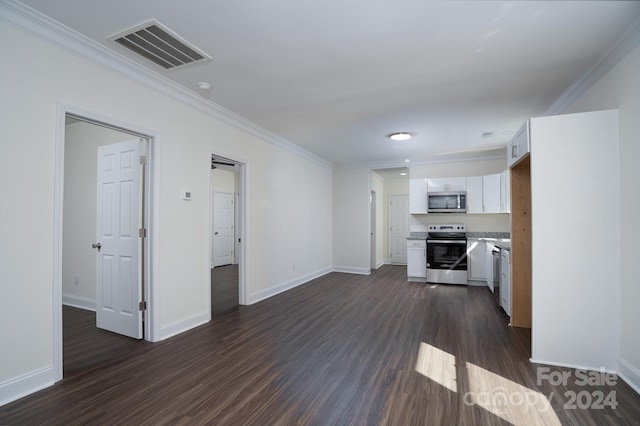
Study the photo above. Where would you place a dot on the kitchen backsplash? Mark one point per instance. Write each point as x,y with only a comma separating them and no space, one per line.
498,222
497,235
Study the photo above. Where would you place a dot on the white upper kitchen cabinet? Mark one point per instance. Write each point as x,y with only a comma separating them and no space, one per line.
491,193
519,147
484,194
474,194
417,196
505,192
447,184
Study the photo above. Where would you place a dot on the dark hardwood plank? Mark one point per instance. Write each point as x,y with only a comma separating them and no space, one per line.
224,289
343,349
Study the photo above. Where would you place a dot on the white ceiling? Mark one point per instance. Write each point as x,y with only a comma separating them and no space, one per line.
336,76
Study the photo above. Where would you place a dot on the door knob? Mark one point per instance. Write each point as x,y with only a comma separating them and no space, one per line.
215,233
96,245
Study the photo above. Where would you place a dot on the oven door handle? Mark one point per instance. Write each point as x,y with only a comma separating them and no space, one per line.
448,241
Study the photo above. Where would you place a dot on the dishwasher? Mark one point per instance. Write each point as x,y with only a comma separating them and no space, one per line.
495,254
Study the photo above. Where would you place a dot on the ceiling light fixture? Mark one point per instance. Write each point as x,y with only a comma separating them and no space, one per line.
203,85
400,136
403,174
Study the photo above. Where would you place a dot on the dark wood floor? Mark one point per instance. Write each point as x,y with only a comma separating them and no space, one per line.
343,349
224,289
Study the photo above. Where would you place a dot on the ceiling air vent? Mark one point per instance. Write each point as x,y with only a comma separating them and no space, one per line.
160,45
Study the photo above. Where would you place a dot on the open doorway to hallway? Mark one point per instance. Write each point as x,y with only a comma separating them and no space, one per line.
226,182
102,256
392,215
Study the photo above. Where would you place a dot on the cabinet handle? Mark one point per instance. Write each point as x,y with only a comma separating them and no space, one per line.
514,150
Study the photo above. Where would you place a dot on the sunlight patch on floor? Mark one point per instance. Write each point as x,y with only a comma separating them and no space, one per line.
437,365
508,400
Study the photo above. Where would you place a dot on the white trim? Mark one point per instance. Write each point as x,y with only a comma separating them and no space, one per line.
58,197
52,31
628,41
629,374
380,263
572,366
21,386
79,302
281,288
351,270
185,324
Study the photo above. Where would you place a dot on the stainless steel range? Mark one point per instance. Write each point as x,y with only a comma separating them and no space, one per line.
447,254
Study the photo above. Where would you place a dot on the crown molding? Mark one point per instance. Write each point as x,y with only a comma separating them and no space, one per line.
628,41
402,164
39,25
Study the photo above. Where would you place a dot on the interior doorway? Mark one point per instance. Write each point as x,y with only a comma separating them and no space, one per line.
78,269
227,182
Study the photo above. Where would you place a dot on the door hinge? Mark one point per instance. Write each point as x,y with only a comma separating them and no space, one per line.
143,160
142,232
142,306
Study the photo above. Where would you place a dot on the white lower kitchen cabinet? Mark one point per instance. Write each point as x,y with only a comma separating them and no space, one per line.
417,260
476,261
505,281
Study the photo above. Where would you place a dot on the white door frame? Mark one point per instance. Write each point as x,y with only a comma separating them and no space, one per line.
241,224
151,244
372,230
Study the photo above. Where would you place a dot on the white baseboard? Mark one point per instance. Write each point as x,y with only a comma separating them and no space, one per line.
184,324
629,374
270,292
18,387
352,270
79,302
380,263
572,366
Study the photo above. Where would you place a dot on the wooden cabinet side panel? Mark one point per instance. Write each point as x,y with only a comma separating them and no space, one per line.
521,244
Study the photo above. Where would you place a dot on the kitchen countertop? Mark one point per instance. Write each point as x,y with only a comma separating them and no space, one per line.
503,243
417,236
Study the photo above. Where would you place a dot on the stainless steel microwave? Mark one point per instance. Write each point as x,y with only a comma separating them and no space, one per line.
447,202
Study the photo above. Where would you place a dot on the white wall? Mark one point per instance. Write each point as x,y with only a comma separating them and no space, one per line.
474,222
79,225
575,249
289,199
351,211
620,88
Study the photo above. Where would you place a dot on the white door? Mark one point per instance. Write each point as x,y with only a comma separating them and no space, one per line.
398,228
118,283
223,214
